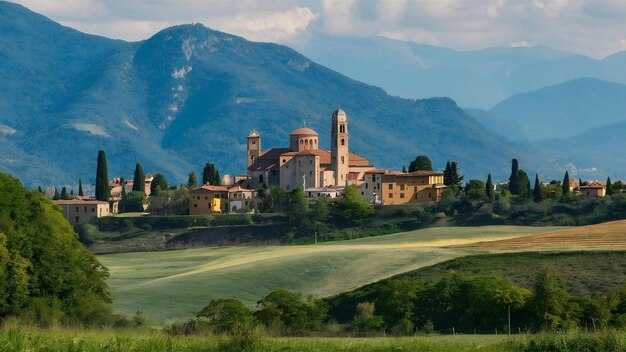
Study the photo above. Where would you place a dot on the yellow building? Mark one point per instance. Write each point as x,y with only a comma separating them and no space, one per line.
394,188
221,200
78,212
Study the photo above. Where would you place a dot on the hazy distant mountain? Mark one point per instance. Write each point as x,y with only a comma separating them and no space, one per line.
189,95
477,79
563,110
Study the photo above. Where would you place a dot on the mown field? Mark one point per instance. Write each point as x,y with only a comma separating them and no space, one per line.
174,285
62,340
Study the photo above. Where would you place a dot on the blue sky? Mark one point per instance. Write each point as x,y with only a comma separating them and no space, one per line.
593,27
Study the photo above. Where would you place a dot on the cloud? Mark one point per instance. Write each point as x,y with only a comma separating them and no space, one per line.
592,27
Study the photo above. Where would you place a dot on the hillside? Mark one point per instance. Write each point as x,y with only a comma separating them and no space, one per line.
564,110
477,79
189,95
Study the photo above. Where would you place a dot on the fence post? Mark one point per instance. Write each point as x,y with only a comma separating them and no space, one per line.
453,332
496,331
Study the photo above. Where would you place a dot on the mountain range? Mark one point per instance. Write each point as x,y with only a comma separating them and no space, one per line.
189,95
474,79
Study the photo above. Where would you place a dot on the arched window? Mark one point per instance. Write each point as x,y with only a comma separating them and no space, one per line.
342,160
343,141
261,179
252,157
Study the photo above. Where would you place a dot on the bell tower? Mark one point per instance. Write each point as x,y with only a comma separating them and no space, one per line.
254,147
339,147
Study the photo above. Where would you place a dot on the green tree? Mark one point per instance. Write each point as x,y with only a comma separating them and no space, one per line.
159,183
364,320
123,201
475,190
319,210
514,184
298,206
291,312
549,302
139,179
609,187
103,192
64,194
421,163
134,201
192,181
210,175
489,189
80,188
565,184
226,315
278,199
451,175
57,195
537,197
403,169
352,207
523,184
170,202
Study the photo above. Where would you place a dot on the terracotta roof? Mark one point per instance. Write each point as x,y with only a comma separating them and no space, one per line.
78,202
303,131
378,172
405,174
353,176
239,189
591,187
210,188
357,160
268,160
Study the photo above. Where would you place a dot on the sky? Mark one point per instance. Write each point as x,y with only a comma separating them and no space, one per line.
595,28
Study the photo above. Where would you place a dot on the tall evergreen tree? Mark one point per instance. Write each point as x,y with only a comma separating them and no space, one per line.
139,179
537,190
80,187
64,194
56,196
609,187
514,183
403,169
524,184
39,189
451,174
489,188
159,183
565,184
122,204
192,181
210,175
102,178
421,163
447,175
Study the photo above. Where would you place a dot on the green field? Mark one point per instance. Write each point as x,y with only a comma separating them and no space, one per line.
173,285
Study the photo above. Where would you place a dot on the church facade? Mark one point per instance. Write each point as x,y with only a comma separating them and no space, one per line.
303,164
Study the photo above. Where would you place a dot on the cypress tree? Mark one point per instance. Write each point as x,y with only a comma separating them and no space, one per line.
122,205
421,163
524,184
537,190
403,169
139,180
514,186
489,188
102,178
80,187
448,178
64,193
210,175
609,187
565,184
56,196
39,189
192,181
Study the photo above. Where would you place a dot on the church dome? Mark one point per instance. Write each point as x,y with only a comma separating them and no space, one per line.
303,131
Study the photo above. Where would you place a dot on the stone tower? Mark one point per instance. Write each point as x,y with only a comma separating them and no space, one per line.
339,147
254,147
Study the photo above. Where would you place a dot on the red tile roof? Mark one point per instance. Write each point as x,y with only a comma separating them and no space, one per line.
303,131
78,202
210,188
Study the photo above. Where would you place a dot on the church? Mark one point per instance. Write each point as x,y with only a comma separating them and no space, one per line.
303,164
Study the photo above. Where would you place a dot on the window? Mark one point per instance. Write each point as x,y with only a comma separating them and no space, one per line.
343,141
366,185
85,208
430,195
311,162
362,193
391,186
390,195
251,157
260,178
77,219
253,142
402,187
93,210
77,209
284,161
378,186
195,205
205,198
273,173
401,195
342,160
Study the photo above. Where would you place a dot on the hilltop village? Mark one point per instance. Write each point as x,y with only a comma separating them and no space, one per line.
300,164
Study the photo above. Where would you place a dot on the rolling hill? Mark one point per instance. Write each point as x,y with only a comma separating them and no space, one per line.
189,95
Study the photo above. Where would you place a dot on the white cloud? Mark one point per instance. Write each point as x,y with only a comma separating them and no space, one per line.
91,128
6,130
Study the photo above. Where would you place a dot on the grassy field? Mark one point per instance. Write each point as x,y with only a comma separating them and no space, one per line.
62,340
174,285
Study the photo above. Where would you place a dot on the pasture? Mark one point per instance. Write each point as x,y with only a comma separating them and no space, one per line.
174,285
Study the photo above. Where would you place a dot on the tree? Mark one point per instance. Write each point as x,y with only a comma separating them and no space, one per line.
451,174
537,190
514,178
475,190
56,196
170,202
139,179
319,210
549,302
352,207
421,163
134,201
226,314
64,194
403,169
364,319
192,181
489,189
80,188
298,206
609,187
523,184
159,183
103,192
565,184
122,204
210,175
278,199
291,312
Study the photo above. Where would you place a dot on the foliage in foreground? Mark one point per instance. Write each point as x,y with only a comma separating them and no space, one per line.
46,275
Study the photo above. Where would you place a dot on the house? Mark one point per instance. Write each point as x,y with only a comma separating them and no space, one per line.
593,189
303,164
392,188
320,192
80,211
210,199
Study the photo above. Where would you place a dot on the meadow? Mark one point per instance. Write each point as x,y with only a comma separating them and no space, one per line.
174,285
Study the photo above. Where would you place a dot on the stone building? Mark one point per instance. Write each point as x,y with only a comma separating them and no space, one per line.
80,211
303,164
394,188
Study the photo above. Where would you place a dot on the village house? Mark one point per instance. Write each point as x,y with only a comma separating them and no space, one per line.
210,199
320,192
593,189
80,211
393,188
